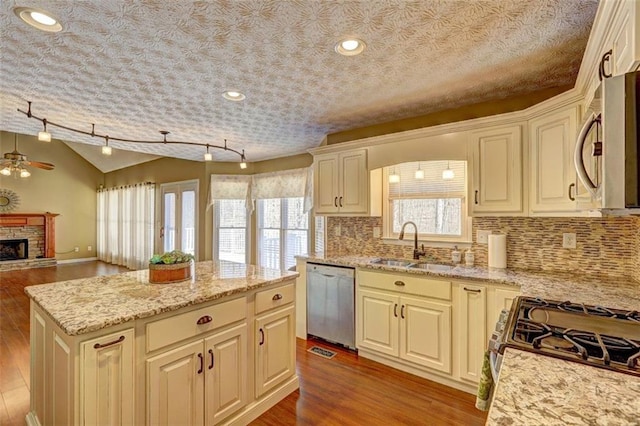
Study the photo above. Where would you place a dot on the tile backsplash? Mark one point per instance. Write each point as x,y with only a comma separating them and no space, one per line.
604,245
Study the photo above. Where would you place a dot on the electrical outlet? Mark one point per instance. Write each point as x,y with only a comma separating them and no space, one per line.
76,249
89,248
482,237
569,240
376,232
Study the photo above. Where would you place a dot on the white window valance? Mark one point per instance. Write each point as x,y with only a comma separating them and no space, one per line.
284,184
230,187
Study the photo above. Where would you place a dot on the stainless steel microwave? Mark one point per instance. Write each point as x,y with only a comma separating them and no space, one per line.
607,154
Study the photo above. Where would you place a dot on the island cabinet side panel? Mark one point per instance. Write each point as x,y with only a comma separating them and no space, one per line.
39,381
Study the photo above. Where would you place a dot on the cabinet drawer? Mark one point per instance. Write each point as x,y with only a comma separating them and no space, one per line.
183,326
406,284
272,298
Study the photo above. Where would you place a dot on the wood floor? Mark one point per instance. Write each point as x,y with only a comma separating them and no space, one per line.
346,390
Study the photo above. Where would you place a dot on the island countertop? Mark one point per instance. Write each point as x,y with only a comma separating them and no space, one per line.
88,304
592,289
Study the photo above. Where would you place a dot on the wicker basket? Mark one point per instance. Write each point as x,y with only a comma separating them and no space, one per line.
164,274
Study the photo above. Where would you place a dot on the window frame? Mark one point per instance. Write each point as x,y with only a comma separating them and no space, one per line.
387,220
284,209
216,234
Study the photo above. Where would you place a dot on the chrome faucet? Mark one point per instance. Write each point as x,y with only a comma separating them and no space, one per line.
416,253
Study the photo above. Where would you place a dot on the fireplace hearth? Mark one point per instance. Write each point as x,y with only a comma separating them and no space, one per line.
14,249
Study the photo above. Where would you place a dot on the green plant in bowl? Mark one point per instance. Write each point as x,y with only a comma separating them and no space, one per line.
171,258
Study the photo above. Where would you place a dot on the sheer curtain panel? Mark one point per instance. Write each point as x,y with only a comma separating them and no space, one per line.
125,225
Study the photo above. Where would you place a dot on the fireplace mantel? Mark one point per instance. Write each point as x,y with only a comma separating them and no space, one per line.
46,220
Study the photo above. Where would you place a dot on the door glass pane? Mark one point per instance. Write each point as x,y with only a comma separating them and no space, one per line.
169,221
189,222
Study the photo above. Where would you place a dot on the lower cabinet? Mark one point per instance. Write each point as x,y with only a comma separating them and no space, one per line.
199,380
275,350
411,328
472,337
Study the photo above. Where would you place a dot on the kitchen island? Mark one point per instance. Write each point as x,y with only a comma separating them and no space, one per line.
216,349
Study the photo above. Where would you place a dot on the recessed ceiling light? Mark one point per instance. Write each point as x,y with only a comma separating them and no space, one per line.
233,95
38,18
350,47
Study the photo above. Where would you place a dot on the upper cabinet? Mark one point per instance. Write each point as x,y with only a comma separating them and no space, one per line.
496,181
342,183
553,186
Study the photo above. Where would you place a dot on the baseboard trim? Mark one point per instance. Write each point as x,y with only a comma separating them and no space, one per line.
451,382
254,410
32,419
83,259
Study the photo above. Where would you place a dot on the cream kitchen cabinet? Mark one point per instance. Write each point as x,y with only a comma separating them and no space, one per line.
87,379
201,382
275,360
553,183
497,171
405,317
472,337
341,183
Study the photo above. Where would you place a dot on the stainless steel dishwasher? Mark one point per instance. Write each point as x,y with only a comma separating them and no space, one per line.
330,303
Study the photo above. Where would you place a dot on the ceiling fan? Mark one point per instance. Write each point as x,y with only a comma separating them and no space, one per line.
15,161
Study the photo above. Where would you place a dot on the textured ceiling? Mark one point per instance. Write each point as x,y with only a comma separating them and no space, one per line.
134,68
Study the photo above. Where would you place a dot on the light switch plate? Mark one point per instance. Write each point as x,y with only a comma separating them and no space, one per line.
482,237
569,240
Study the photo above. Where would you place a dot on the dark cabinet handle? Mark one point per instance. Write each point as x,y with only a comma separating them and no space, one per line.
335,201
277,296
571,197
201,363
261,337
204,319
399,283
395,310
601,71
475,197
211,363
340,202
402,312
104,345
472,290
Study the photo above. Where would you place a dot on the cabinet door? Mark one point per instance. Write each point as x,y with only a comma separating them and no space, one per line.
276,349
354,182
226,365
106,379
553,176
472,340
326,184
175,386
497,171
425,333
378,315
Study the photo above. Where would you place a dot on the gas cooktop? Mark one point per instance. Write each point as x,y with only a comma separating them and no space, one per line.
594,335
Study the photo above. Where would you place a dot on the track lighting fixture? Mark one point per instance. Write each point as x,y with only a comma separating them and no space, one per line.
44,136
106,149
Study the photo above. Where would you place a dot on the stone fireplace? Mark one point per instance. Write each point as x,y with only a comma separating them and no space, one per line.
14,249
27,240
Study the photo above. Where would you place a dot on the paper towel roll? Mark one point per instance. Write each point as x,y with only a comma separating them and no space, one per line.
497,251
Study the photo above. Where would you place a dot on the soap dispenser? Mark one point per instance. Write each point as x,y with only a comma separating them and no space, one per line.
469,258
456,256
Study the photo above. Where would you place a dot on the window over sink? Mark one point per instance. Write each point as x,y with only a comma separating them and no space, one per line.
432,194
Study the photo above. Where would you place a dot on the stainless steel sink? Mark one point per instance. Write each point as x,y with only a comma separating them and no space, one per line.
435,267
391,262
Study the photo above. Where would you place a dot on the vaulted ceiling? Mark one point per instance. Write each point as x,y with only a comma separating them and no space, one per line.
134,68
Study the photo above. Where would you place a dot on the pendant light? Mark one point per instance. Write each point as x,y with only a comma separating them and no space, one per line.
419,173
393,177
448,174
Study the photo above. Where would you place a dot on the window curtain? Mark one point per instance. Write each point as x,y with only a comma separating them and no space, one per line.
126,224
230,187
285,184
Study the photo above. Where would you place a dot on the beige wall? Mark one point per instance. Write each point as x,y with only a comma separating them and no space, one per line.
69,189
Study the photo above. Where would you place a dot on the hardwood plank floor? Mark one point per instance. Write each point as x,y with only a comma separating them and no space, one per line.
346,390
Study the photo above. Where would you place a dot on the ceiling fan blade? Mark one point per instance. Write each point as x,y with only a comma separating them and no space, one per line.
45,166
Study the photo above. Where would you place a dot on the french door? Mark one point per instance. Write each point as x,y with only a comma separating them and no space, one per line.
179,219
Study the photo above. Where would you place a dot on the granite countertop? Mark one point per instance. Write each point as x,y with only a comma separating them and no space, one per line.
84,305
535,389
602,290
